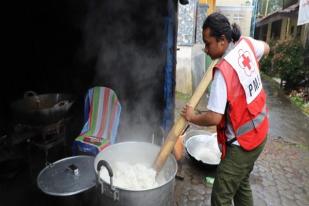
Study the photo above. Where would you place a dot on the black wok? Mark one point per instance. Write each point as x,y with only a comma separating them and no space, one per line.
41,109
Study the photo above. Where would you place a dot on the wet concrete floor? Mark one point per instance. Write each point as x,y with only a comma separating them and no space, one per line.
281,174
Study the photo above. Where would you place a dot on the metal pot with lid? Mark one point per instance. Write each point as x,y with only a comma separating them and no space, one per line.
77,174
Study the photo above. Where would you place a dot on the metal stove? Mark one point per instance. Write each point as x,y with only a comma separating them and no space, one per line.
43,137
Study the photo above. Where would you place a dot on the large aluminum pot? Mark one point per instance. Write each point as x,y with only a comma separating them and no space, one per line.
41,109
134,153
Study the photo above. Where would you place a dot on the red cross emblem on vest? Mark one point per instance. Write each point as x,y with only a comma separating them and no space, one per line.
245,62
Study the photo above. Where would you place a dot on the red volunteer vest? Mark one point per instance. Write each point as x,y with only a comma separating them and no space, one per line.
248,117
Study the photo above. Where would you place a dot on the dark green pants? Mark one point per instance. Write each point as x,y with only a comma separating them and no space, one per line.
232,177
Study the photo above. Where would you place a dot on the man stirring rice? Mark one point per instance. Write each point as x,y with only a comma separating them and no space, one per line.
237,106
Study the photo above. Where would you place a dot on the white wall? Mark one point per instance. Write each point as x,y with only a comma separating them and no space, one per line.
198,67
239,12
190,68
183,69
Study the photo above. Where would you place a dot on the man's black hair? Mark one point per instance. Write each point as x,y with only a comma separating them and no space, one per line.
220,25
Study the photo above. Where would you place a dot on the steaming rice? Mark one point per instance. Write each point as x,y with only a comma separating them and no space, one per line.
132,177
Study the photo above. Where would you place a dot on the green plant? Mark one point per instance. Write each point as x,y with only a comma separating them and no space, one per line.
306,108
298,101
288,59
266,62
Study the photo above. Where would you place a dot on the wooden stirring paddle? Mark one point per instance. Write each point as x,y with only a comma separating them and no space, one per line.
180,124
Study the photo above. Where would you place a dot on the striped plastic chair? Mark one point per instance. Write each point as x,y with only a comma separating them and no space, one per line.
101,116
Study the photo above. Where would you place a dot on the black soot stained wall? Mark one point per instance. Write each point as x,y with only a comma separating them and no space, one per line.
70,46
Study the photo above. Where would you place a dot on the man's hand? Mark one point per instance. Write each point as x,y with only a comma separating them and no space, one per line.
187,112
208,118
266,49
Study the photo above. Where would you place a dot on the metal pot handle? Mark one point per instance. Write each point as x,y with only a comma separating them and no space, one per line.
30,94
107,165
61,104
112,191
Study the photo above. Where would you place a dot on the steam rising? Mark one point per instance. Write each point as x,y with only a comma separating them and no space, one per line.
125,42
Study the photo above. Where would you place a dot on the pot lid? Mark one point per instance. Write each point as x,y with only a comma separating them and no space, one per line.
68,176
